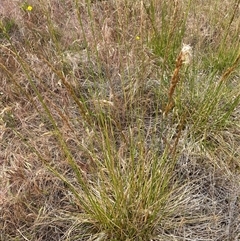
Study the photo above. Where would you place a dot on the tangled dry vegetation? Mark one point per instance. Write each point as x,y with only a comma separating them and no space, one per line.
103,136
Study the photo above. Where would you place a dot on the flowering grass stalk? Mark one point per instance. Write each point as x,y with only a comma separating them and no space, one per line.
183,58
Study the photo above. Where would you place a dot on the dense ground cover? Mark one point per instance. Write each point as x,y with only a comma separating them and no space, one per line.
119,120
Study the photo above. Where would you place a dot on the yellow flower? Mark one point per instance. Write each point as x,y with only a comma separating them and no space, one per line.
29,8
137,37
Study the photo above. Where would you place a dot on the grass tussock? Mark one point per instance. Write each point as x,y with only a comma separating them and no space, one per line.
119,120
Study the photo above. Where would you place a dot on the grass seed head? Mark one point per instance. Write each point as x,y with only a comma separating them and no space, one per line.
186,54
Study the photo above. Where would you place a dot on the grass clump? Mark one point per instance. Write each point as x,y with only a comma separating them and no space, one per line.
117,122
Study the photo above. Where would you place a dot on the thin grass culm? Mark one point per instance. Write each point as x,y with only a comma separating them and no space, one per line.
111,128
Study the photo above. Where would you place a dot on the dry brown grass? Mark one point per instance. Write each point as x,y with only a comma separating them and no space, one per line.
117,73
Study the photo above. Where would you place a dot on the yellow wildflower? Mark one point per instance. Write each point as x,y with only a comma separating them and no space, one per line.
29,8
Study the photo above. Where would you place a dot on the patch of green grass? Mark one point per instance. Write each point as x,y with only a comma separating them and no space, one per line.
7,27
